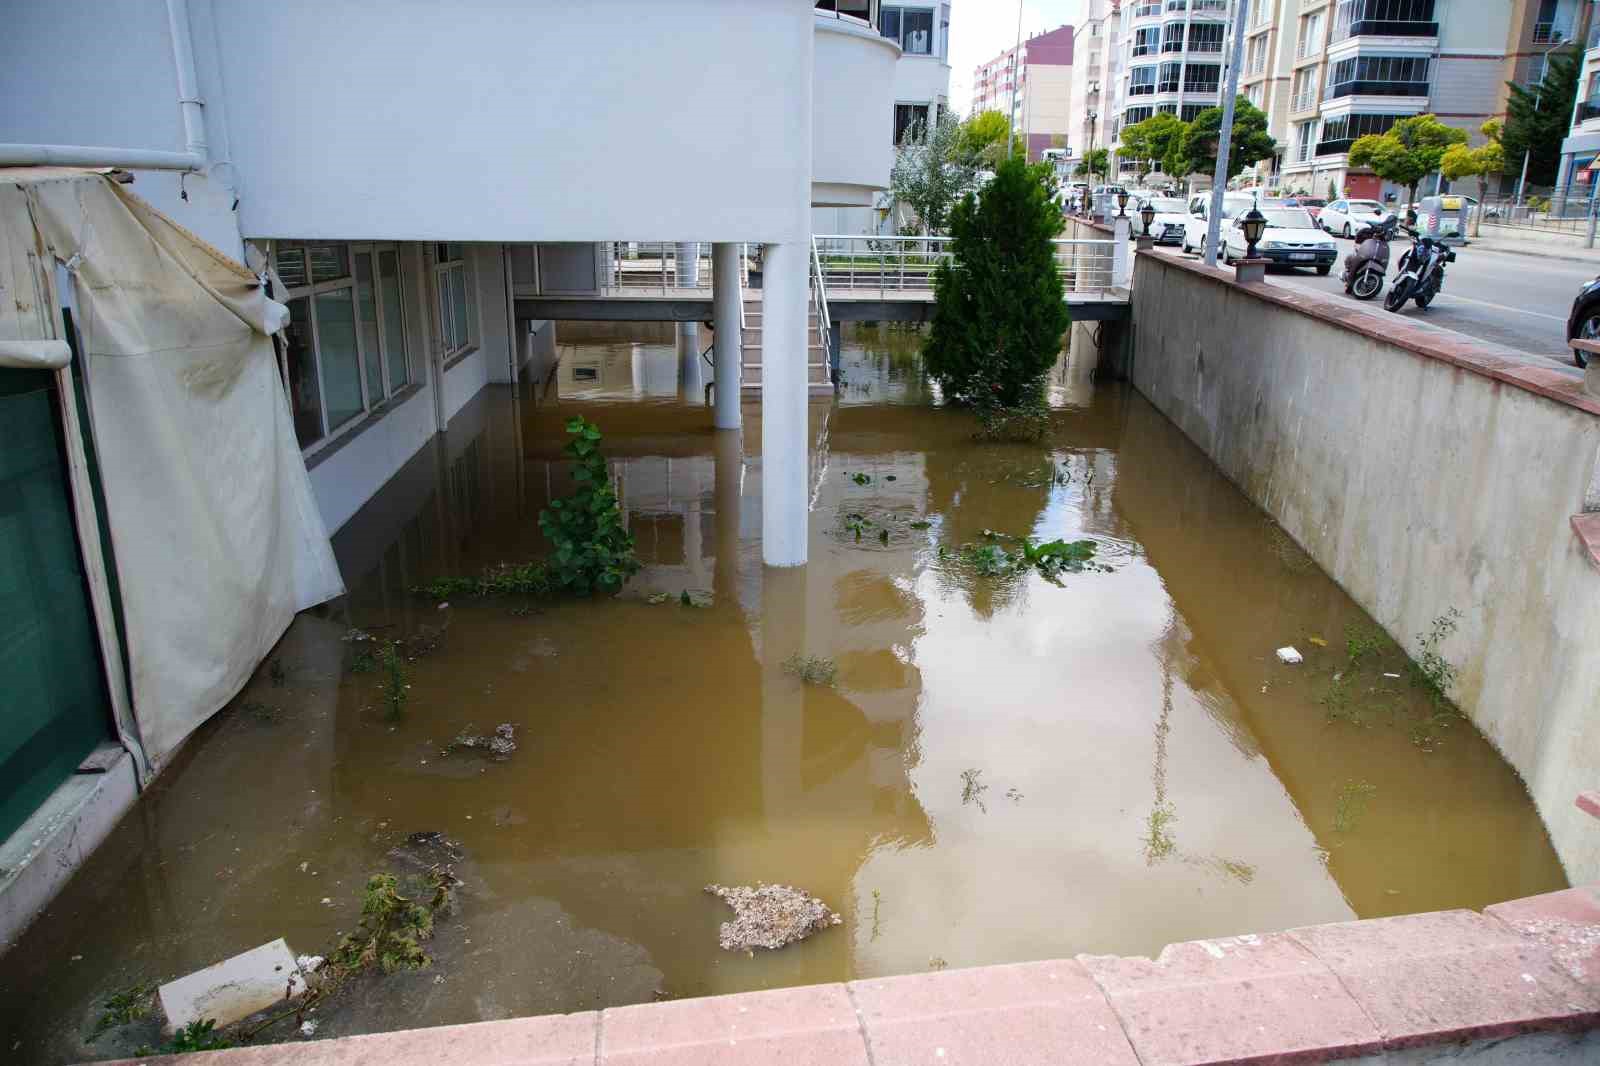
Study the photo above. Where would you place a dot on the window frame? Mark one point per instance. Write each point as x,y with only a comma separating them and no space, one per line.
440,269
309,291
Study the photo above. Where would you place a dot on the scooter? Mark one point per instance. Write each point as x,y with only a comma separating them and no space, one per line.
1368,262
1421,272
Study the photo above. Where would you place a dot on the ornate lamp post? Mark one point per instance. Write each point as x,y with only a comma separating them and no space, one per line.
1122,203
1253,224
1147,214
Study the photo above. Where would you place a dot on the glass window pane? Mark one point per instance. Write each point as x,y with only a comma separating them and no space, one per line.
336,353
447,332
917,31
292,267
302,365
394,323
329,262
458,305
367,318
889,21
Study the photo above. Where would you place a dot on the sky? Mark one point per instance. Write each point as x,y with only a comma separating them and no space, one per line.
982,29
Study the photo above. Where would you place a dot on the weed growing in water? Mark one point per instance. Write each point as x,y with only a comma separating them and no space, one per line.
1051,559
1351,805
972,789
1335,701
877,902
199,1035
124,1008
530,579
937,963
393,926
860,479
1361,642
396,685
364,662
1241,872
1012,425
1158,839
812,669
1431,671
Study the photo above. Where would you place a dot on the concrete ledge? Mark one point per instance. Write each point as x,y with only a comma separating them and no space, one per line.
1519,983
46,849
1587,527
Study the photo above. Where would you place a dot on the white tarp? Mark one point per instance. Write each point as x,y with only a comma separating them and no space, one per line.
217,538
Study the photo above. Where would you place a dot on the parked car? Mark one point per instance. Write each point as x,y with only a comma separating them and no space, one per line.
1291,239
1583,322
1343,217
1312,204
1167,226
1194,224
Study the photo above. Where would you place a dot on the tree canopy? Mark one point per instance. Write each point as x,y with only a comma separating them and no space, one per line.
1000,309
1097,161
983,139
1538,119
931,172
1410,151
1196,149
1149,141
1459,162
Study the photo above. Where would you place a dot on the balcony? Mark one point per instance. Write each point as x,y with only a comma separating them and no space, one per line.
1550,32
1385,28
1338,146
1377,88
852,135
1588,109
1306,101
1151,9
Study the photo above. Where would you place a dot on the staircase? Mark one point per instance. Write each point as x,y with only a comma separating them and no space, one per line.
817,378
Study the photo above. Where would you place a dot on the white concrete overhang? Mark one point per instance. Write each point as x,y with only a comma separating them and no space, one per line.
852,124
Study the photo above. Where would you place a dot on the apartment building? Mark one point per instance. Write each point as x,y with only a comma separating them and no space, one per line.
1359,66
1092,121
1172,58
1581,148
1033,84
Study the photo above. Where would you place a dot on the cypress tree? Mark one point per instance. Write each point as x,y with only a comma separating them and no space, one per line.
1000,310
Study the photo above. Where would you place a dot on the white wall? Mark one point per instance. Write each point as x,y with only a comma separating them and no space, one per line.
520,119
920,79
852,145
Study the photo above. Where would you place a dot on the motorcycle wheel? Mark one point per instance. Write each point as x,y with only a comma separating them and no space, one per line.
1367,284
1424,298
1399,293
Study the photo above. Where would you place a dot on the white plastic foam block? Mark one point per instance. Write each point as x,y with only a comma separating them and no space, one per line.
233,988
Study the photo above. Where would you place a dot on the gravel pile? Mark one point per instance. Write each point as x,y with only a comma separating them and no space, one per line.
770,916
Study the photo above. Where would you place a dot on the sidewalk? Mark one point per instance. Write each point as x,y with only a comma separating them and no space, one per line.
1568,247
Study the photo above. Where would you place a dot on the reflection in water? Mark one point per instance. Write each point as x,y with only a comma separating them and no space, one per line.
1004,771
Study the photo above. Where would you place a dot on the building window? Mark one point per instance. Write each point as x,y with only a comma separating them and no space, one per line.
912,27
455,300
1202,78
910,120
1384,18
1191,110
1207,37
1172,37
1338,134
1136,114
1168,81
1310,39
1146,41
1378,76
344,350
1142,81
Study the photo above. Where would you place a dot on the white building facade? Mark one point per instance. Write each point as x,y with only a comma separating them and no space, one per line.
1173,55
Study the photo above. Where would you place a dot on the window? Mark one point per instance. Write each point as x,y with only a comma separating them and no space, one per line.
1172,37
344,350
912,27
1146,41
1338,134
455,299
1378,75
1207,37
1136,114
1202,78
1191,110
1168,82
910,120
1390,18
1142,81
1310,39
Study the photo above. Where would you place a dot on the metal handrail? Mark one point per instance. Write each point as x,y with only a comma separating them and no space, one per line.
820,287
856,263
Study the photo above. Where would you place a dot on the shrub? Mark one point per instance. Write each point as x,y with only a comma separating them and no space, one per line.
594,552
1000,310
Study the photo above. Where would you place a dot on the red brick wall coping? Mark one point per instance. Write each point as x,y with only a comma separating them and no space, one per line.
1587,527
1530,967
1470,356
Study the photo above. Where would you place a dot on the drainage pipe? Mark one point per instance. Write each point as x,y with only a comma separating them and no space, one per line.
193,157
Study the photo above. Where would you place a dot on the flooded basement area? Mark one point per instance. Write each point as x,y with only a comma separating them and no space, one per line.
980,769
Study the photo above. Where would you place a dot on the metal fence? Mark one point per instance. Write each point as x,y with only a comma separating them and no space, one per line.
665,267
1563,209
885,265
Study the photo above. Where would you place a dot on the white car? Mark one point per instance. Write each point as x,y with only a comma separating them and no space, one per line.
1167,226
1343,218
1194,224
1291,239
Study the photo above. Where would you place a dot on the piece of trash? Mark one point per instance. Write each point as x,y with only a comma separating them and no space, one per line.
1318,641
354,635
1338,676
1290,655
499,745
770,916
308,1027
305,866
309,963
659,598
443,606
1391,675
233,988
326,902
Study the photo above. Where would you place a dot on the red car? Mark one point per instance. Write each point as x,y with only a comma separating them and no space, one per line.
1312,204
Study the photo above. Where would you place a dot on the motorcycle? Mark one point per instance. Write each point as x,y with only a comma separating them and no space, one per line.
1421,272
1368,263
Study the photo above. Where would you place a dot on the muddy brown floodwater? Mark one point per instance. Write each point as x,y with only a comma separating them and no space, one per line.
1003,769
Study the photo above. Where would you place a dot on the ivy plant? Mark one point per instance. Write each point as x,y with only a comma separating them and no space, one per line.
594,552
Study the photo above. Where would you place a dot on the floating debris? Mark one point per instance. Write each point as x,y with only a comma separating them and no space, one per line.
770,916
354,635
499,745
1290,655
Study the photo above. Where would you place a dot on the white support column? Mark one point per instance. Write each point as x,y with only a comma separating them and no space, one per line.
1121,253
688,259
727,354
783,404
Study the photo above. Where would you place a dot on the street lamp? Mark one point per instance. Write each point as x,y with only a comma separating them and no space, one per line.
1148,214
1122,203
1254,224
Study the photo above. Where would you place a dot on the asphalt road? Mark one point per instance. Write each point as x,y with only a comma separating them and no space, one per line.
1516,300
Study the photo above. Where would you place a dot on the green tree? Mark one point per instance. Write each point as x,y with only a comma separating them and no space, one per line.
1538,118
983,139
1097,161
1000,310
931,172
1459,162
1149,141
1409,152
1196,149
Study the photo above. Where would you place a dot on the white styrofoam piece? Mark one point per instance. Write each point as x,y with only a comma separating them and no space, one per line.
233,988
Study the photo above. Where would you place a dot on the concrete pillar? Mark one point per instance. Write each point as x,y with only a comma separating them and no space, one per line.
1121,253
691,376
783,404
725,297
688,264
727,450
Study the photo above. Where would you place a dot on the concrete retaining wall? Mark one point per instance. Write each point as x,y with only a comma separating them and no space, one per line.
1421,472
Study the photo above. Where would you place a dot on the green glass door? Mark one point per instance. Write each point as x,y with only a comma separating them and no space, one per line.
53,703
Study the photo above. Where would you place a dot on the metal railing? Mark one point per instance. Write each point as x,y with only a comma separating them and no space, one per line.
640,267
819,295
1305,101
906,265
1562,208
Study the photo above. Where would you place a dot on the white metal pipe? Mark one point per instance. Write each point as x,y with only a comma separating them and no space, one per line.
727,350
1225,134
784,467
194,155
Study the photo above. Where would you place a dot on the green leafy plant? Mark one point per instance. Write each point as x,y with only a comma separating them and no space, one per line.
1539,117
973,788
1051,559
396,683
812,669
1360,642
593,551
1013,425
124,1008
1159,841
393,926
1430,670
528,579
1410,150
1195,149
198,1035
1351,804
1000,312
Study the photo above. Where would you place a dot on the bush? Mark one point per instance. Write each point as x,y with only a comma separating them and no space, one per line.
594,552
1000,310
